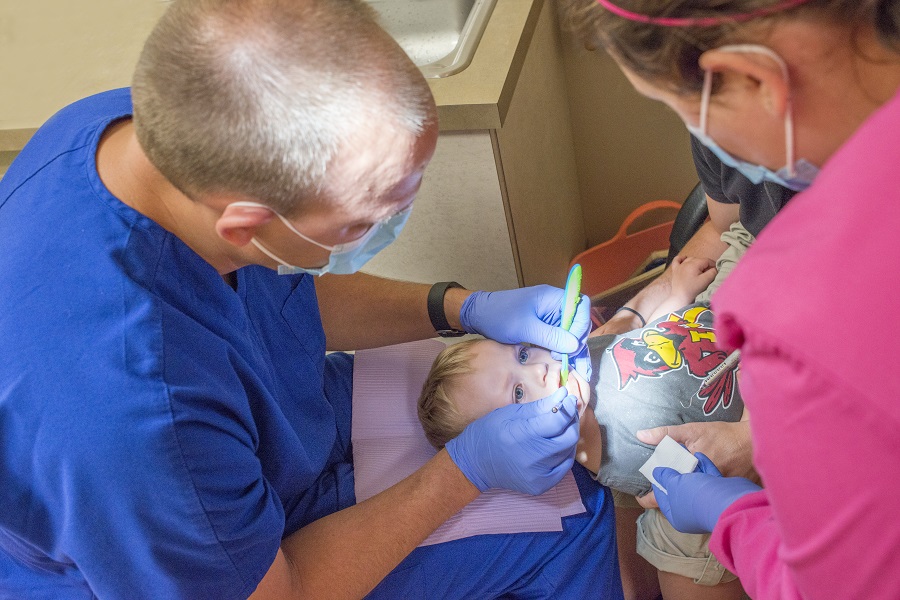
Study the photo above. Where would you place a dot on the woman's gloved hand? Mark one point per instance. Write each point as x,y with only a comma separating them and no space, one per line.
693,502
531,315
522,447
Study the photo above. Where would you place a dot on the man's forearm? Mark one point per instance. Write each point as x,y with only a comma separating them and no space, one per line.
346,554
364,311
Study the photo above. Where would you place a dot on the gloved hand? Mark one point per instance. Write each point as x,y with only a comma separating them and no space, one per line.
531,315
522,447
695,501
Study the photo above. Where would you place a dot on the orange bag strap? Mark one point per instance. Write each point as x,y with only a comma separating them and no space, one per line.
642,210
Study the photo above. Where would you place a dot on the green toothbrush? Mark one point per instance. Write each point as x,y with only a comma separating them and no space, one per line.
571,298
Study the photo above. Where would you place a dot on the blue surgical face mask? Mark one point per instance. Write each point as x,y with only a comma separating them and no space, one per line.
795,175
344,258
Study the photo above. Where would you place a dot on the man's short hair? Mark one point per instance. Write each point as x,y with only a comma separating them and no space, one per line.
257,97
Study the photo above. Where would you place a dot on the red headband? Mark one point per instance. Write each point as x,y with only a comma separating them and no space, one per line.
698,22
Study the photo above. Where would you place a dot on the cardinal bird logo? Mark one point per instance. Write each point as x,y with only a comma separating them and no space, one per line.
681,342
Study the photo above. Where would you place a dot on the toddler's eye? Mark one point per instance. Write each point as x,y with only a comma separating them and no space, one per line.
523,355
519,392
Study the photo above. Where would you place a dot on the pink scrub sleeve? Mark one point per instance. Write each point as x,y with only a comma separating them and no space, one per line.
814,307
827,525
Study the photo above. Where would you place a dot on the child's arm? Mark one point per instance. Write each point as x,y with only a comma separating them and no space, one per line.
690,276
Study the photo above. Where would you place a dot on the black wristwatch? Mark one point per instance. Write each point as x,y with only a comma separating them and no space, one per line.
436,309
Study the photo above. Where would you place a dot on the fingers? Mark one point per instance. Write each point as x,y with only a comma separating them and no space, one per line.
662,499
654,436
696,263
683,434
706,465
699,264
557,473
551,424
581,324
553,338
581,361
545,405
708,275
665,476
648,500
583,366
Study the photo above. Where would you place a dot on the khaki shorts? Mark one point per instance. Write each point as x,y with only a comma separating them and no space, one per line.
667,549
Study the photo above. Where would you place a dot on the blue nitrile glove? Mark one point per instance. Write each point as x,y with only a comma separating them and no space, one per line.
522,447
581,361
695,501
531,315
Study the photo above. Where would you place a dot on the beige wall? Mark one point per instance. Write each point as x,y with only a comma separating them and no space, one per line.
536,162
458,230
6,159
629,150
57,51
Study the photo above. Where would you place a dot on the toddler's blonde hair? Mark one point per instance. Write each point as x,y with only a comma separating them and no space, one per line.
438,413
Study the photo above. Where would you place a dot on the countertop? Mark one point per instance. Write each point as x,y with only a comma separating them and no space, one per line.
57,51
478,97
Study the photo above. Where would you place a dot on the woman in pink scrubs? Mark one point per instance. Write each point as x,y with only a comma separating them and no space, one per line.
803,93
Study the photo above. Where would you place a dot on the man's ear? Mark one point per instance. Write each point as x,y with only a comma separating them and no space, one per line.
238,223
759,78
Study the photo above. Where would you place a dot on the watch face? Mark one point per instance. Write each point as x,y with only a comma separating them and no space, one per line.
450,333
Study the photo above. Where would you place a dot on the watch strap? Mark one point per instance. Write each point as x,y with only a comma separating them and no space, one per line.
436,309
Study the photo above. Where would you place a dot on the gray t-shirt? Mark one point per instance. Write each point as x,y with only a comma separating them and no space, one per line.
655,376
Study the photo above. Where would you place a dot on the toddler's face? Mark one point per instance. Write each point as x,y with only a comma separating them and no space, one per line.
505,374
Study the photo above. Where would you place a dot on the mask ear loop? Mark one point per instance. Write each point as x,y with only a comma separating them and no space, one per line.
259,244
789,129
704,101
296,231
338,248
287,224
268,253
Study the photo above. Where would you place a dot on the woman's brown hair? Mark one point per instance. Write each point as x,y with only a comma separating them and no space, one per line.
668,56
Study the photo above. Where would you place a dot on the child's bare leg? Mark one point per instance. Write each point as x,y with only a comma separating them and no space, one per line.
639,578
682,560
679,587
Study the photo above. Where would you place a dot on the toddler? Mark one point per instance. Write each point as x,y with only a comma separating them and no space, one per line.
665,373
656,375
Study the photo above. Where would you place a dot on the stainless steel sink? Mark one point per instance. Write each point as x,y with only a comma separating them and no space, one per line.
440,36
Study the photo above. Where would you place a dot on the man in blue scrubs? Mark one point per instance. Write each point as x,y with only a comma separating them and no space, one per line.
170,426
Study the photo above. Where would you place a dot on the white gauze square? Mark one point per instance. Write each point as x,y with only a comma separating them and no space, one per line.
669,453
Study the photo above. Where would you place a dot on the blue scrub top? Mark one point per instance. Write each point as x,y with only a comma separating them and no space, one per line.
159,431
